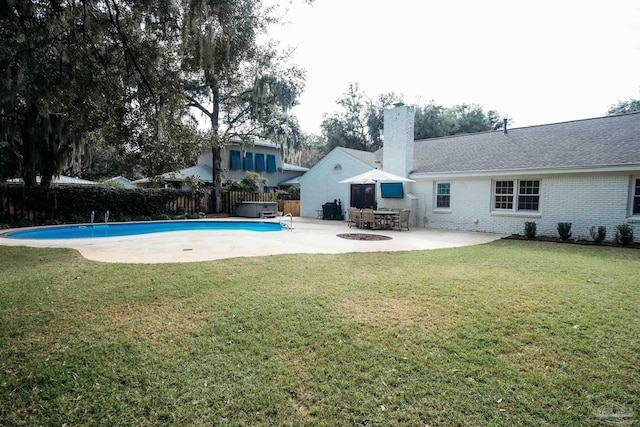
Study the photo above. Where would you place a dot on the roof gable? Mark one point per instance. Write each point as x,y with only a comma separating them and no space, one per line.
604,141
340,155
372,159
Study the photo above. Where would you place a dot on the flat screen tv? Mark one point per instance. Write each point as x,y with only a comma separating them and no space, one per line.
391,190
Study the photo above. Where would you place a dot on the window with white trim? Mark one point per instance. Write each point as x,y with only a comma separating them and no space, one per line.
443,195
529,195
516,195
503,198
635,200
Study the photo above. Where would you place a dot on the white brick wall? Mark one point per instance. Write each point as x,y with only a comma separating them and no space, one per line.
321,184
583,200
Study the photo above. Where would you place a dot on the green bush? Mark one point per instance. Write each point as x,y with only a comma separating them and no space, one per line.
75,203
250,183
564,230
624,234
598,234
530,229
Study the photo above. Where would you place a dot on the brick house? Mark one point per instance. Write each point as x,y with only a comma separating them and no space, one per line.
586,172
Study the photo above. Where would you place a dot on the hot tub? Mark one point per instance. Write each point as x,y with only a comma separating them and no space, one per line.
257,209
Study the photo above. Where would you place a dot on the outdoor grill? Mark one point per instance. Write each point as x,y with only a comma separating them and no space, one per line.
332,210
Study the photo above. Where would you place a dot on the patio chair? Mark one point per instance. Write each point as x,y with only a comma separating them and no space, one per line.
401,220
354,217
368,218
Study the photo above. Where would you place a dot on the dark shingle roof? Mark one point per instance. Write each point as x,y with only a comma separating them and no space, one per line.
604,141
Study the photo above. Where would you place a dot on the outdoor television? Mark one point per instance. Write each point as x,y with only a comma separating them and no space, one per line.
391,190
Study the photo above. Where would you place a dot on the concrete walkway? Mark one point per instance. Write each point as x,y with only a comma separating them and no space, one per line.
308,236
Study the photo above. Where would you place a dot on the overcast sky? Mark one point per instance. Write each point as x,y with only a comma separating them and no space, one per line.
537,62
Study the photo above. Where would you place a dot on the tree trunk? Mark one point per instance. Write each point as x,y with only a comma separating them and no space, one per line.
28,149
216,152
48,150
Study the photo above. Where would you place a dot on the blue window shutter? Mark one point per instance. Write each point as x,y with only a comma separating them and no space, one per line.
248,161
271,163
260,162
236,162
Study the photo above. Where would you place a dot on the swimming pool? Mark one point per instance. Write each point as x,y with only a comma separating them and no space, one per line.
129,229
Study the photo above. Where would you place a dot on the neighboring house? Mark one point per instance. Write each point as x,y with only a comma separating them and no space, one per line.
60,180
262,157
121,180
586,172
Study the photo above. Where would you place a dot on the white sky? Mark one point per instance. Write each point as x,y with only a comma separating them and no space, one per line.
535,61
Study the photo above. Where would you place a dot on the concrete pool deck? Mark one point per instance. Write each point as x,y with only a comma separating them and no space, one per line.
309,236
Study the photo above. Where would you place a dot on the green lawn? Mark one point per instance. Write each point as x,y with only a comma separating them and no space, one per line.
508,333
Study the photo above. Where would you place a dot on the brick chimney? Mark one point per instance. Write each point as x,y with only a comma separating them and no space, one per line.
397,155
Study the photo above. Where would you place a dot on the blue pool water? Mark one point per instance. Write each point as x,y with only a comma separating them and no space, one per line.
128,229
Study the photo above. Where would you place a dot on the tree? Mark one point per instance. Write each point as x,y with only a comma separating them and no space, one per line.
359,124
435,120
624,107
310,150
120,70
244,89
70,67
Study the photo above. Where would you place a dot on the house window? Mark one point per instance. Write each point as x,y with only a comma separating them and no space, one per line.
271,163
504,195
443,195
248,161
526,193
337,168
236,162
636,197
260,166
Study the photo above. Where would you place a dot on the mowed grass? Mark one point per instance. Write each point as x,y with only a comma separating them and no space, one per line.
508,333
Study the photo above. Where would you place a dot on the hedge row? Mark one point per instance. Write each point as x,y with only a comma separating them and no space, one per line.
74,204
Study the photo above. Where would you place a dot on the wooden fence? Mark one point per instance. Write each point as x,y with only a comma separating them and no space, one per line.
292,207
191,205
16,208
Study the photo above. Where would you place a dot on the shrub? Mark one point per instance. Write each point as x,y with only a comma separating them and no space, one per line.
598,234
75,203
250,183
530,229
564,230
624,234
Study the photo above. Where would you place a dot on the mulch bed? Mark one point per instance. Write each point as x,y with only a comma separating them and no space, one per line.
635,245
363,236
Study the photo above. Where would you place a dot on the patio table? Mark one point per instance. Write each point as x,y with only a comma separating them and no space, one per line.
384,218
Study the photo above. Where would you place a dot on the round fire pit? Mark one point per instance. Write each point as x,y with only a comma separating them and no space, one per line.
363,236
